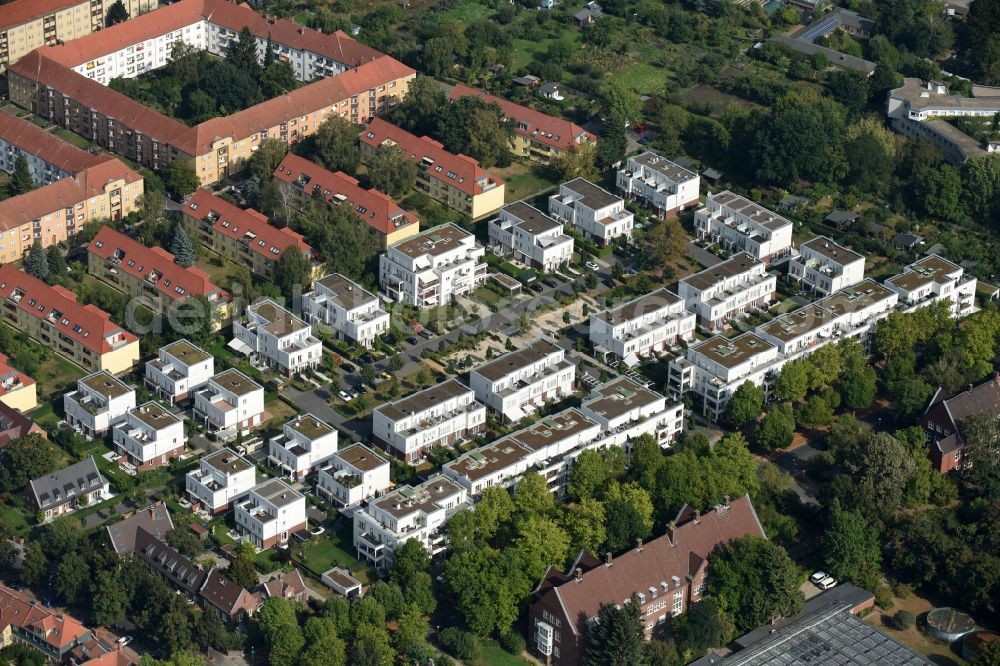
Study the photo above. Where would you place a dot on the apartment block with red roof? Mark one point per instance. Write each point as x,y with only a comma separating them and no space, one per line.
28,24
457,181
666,575
150,275
66,84
245,237
51,315
25,620
53,213
537,136
17,390
302,179
49,157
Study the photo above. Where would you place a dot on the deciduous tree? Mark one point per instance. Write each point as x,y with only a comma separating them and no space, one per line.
754,581
391,171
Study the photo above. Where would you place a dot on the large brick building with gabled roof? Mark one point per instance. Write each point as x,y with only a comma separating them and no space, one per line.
667,575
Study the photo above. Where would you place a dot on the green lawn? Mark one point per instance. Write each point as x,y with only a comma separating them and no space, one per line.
494,655
643,78
15,519
44,415
330,550
524,180
467,12
55,375
75,139
526,50
486,295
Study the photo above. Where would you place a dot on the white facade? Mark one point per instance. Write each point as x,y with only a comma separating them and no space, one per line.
220,479
230,402
738,225
592,211
149,436
644,326
408,512
179,369
432,267
303,444
347,308
531,237
270,513
437,416
666,187
825,266
353,475
621,406
516,383
934,279
275,335
100,401
728,290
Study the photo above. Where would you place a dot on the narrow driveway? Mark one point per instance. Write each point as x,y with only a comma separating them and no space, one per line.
702,256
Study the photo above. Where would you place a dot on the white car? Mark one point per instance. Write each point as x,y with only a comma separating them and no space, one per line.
593,266
124,640
827,583
817,577
344,395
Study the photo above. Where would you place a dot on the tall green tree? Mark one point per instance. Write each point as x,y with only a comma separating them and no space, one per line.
242,52
293,271
851,545
617,638
324,647
20,180
777,429
243,572
802,139
182,248
36,263
57,263
108,599
281,631
117,13
585,523
266,159
180,178
391,171
336,143
754,581
746,405
420,108
26,458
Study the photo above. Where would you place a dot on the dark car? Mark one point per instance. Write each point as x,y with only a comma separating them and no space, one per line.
412,340
348,368
367,359
549,282
536,287
609,283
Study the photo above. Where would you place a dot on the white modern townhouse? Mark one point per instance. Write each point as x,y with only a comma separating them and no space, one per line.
520,381
220,479
825,266
354,313
150,436
270,513
592,211
530,237
179,369
304,443
353,475
409,512
229,403
737,224
660,184
934,279
437,416
728,291
643,327
100,401
272,334
626,410
433,267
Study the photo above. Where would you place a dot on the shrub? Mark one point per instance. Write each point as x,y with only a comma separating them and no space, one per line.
902,620
513,642
460,643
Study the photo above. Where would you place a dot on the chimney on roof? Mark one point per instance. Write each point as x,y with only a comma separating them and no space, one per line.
671,533
607,560
727,500
638,545
578,574
970,388
697,515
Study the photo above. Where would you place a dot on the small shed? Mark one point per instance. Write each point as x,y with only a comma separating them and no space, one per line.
907,241
342,582
791,202
199,530
528,80
712,175
841,218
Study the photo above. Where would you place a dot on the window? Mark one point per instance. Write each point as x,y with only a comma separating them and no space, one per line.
678,603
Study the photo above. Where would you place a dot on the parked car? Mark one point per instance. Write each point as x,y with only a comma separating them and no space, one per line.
348,368
536,287
344,395
367,359
609,283
426,334
352,392
593,266
817,577
124,640
412,340
549,282
827,583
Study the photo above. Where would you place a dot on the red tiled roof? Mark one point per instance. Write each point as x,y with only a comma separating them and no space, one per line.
658,561
22,11
144,263
235,222
375,208
458,171
87,324
541,127
60,631
229,597
337,46
32,139
14,425
15,376
64,193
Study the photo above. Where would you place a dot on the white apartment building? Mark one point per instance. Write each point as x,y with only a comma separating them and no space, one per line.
220,479
934,279
100,401
409,512
516,383
660,184
547,447
231,402
531,237
144,55
625,410
432,267
272,334
270,513
737,224
179,369
353,475
346,307
642,327
303,444
728,290
437,416
826,267
592,211
149,437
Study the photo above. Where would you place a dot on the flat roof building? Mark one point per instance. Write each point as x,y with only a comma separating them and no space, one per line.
729,290
592,211
354,313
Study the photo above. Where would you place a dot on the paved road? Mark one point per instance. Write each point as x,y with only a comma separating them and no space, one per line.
794,462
